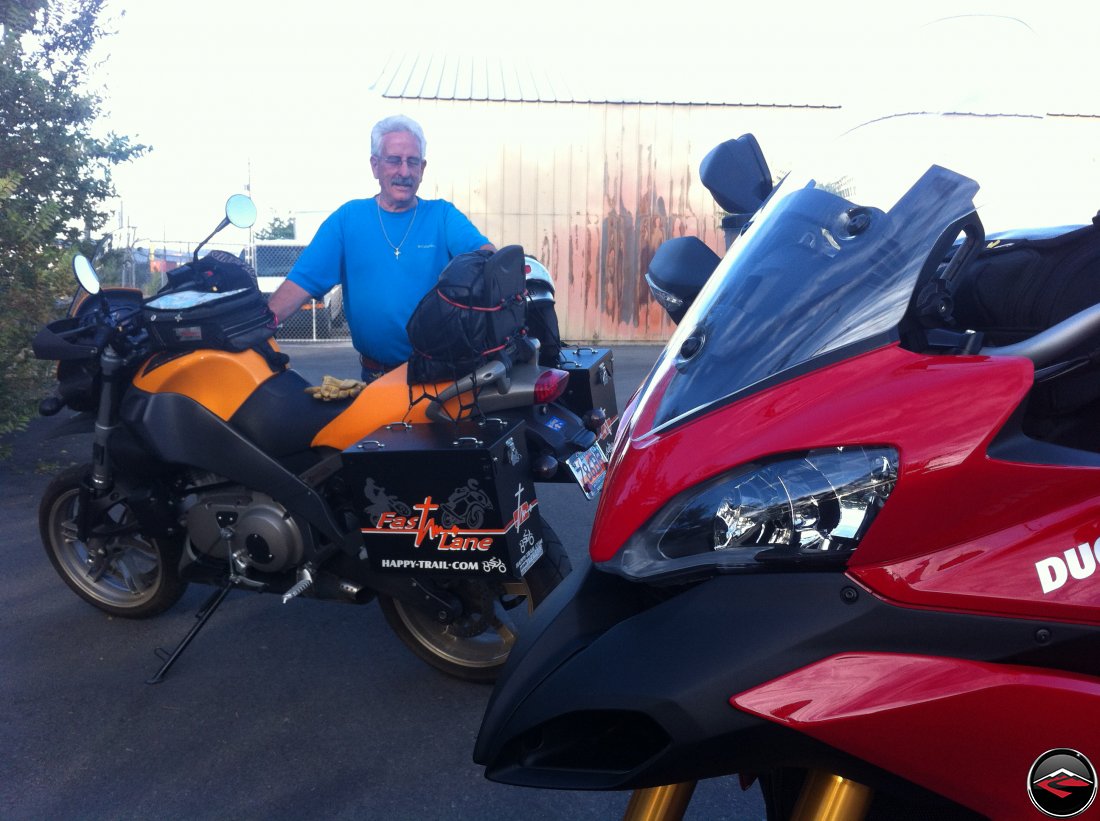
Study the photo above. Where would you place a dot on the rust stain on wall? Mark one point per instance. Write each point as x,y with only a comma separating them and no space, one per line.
592,190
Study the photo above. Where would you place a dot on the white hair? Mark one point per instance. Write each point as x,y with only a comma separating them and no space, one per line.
397,122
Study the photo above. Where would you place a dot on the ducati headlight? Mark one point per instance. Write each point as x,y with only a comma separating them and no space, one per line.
807,509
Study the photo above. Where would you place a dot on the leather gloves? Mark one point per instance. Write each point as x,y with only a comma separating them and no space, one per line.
332,388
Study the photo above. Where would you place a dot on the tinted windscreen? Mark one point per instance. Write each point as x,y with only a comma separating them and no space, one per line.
816,272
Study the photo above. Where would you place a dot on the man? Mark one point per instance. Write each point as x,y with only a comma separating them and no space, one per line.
386,252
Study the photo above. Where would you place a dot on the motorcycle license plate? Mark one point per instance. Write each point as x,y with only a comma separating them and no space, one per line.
589,468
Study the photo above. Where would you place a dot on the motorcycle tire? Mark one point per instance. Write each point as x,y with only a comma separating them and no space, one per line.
476,646
122,572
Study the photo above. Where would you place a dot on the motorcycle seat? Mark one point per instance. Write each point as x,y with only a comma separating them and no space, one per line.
281,418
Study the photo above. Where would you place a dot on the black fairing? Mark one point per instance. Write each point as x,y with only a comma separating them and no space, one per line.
613,687
178,430
130,456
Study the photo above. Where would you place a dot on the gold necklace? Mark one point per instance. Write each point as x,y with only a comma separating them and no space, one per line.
397,248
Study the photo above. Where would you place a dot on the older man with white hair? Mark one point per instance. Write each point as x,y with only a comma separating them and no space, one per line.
385,252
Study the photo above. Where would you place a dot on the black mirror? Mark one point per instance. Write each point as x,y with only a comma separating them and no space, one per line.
737,175
85,274
678,272
241,211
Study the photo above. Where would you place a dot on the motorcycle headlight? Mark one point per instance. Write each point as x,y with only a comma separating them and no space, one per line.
806,509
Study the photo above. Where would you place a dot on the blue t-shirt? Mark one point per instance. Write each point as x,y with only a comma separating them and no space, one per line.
380,289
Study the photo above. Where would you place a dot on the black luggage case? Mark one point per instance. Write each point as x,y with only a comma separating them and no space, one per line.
230,320
591,380
447,499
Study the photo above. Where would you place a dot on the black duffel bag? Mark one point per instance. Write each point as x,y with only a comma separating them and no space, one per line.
476,312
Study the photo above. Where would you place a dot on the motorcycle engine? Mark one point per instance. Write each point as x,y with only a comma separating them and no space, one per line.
264,534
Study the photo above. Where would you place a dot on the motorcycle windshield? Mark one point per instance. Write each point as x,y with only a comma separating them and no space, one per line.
825,270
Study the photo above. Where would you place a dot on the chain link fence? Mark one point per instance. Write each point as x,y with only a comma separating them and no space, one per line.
319,319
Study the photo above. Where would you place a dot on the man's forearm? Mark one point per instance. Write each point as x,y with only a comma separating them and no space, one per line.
287,299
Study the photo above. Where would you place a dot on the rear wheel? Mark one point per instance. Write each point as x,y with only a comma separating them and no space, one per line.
117,568
476,646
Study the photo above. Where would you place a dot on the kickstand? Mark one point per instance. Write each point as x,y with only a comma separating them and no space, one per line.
203,616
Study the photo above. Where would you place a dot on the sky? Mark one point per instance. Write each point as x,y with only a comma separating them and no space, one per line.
237,95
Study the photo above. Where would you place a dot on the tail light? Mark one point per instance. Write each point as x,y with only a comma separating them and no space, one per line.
550,385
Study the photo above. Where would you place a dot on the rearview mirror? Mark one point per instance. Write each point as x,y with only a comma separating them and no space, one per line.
678,272
85,274
241,211
737,175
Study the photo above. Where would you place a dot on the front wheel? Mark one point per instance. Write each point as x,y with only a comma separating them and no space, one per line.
476,646
117,568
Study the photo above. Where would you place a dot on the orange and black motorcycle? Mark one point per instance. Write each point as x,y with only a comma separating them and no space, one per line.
212,463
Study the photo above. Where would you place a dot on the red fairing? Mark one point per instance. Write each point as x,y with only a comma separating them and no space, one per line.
1021,571
938,412
939,723
961,531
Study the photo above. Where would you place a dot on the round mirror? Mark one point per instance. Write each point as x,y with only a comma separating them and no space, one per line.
241,211
85,274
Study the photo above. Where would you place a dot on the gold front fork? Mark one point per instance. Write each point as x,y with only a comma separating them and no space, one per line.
828,797
824,797
666,803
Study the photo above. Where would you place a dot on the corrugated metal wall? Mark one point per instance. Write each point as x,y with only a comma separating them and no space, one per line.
593,189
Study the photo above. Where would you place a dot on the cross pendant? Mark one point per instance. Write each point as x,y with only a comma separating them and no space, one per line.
397,254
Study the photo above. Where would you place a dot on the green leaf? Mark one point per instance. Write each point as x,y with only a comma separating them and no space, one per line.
55,177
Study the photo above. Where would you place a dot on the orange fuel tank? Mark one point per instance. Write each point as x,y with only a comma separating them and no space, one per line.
220,381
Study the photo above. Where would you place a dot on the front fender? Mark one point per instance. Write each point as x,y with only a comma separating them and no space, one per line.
854,702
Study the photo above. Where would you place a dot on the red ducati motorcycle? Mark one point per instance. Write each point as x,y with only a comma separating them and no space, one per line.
849,539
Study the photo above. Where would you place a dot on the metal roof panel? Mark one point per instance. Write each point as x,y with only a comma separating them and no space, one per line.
497,77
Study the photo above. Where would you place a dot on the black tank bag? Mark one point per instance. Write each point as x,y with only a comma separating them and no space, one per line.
212,303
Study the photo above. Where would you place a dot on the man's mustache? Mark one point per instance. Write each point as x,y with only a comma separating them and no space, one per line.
399,180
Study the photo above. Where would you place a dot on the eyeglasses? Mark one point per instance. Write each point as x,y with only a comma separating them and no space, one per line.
414,163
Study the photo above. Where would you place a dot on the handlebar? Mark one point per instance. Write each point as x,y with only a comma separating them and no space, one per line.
1048,346
83,337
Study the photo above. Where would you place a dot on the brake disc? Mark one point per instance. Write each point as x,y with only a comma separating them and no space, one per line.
478,604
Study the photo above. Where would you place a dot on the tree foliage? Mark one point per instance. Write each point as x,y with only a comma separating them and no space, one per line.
278,228
55,175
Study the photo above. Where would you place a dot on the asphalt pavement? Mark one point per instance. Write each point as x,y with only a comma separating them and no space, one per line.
308,710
